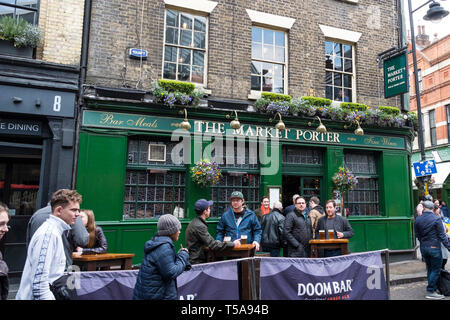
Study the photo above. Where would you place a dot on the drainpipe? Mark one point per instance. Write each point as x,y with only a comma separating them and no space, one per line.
82,80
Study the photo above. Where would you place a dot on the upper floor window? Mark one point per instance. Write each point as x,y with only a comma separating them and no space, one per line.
185,47
25,9
448,122
339,71
268,69
433,127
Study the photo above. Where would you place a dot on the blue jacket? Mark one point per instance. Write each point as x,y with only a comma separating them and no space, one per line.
249,226
159,270
430,231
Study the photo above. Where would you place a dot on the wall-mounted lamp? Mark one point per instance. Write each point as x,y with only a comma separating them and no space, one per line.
185,124
280,125
321,128
359,131
234,124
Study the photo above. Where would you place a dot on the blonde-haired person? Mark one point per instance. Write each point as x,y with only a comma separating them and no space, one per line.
97,240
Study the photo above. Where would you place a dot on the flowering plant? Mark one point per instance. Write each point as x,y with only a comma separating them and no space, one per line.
206,173
344,179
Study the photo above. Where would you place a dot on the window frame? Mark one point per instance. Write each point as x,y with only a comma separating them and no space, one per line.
343,72
432,123
447,110
178,46
136,166
369,176
257,93
16,6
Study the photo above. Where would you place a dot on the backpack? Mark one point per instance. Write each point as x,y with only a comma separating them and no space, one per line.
62,289
444,283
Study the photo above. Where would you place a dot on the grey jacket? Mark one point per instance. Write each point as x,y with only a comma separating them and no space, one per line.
76,237
339,224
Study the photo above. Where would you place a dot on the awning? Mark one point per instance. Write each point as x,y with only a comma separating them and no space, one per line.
443,170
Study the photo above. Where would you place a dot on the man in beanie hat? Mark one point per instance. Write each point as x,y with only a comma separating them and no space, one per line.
198,237
239,221
430,232
161,265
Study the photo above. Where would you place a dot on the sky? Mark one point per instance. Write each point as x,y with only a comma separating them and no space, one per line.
442,28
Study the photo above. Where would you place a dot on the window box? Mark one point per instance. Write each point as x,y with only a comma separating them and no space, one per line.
8,48
120,93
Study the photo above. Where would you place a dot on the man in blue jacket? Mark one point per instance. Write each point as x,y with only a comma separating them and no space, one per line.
238,221
430,232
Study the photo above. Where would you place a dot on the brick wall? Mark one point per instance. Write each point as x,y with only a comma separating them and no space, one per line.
116,27
62,24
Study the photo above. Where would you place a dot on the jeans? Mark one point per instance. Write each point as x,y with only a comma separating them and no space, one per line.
433,260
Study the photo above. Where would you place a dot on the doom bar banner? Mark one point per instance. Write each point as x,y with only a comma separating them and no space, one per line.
349,277
210,281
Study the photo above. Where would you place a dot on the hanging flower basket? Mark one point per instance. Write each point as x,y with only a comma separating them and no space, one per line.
206,173
344,179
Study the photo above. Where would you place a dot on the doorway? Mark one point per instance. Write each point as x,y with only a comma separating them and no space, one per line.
19,187
302,185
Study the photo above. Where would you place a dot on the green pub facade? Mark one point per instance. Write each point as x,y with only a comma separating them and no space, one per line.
133,162
129,170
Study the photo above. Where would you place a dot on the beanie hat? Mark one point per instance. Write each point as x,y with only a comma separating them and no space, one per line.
428,204
168,225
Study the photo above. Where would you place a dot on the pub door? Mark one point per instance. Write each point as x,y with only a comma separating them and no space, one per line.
19,186
302,185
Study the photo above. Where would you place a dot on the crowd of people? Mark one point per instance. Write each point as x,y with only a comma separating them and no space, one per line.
62,229
267,229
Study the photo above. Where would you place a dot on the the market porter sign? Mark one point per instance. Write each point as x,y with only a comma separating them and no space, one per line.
395,77
114,120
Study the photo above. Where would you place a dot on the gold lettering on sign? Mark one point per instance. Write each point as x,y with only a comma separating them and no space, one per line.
388,142
141,123
108,118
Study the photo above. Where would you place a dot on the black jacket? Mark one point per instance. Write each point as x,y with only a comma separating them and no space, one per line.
298,232
272,229
100,244
339,224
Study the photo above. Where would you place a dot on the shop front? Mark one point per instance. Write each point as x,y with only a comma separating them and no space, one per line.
37,104
134,165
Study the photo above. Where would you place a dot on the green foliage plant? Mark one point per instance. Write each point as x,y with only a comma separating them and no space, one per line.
19,32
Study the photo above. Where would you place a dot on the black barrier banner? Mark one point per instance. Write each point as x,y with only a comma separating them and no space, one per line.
348,277
210,281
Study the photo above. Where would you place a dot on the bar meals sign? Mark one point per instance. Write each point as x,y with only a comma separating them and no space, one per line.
395,76
124,121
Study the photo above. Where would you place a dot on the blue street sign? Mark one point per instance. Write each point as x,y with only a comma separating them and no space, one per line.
138,53
424,168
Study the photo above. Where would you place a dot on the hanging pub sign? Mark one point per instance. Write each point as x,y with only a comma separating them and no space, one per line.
395,76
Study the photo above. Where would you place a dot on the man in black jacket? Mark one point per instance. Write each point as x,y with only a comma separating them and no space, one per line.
272,230
298,230
331,221
197,236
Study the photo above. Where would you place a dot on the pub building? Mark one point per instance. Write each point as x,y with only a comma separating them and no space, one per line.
37,105
134,165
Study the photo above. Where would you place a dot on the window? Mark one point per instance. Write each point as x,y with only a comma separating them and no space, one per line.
448,122
25,9
153,187
248,184
239,173
433,127
363,199
185,47
299,155
268,69
419,79
339,71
